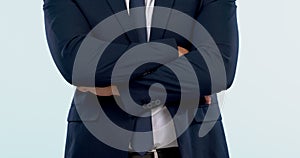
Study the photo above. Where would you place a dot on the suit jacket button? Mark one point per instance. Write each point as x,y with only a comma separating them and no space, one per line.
157,102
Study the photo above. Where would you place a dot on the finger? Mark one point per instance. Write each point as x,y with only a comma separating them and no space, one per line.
182,50
106,91
115,90
100,91
207,99
82,89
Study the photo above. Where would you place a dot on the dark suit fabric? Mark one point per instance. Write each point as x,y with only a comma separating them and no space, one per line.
68,22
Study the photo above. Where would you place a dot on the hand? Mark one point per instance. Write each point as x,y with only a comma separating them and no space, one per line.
207,100
182,51
101,91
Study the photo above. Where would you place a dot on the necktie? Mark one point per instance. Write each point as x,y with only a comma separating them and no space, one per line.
141,142
140,19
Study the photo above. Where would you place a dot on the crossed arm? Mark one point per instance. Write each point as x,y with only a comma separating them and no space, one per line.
113,90
217,16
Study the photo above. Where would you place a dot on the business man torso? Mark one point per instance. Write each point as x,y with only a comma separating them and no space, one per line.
68,22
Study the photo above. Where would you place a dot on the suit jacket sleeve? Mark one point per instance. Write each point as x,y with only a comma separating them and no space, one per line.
219,19
66,28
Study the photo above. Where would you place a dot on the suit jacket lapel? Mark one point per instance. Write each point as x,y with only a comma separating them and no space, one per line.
119,5
123,19
162,19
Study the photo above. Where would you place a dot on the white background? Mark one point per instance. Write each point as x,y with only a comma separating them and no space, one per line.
261,113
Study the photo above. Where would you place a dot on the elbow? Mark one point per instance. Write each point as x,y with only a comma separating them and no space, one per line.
230,67
62,67
79,75
230,77
66,69
66,74
229,82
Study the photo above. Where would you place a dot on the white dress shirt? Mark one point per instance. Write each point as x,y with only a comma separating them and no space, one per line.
164,135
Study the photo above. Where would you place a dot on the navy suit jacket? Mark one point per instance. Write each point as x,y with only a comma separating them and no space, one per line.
68,22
